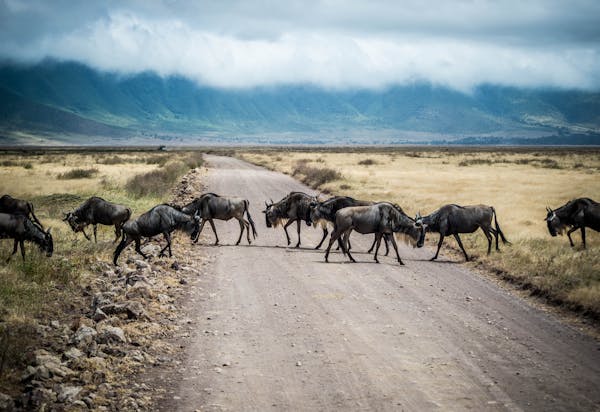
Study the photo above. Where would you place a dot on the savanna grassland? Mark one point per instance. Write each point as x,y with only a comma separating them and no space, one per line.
519,183
40,289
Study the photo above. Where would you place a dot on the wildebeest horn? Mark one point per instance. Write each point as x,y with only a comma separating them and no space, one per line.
48,231
548,209
66,216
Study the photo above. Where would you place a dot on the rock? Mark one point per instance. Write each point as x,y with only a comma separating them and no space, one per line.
103,299
175,265
55,324
298,363
162,298
111,334
99,315
84,336
140,264
6,403
72,354
134,277
49,365
35,397
134,309
182,281
68,394
139,290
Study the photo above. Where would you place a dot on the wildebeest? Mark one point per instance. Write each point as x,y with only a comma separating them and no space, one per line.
578,214
211,206
380,218
96,211
295,207
454,219
21,228
322,213
13,206
160,219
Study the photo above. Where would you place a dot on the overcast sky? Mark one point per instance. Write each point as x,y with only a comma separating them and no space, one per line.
333,43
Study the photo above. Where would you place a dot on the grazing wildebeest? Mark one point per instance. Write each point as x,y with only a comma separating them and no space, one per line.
13,206
380,218
96,211
160,219
21,228
210,206
322,213
295,207
578,213
453,219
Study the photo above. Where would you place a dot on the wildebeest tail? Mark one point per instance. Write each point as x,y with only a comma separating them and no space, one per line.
504,240
128,215
247,207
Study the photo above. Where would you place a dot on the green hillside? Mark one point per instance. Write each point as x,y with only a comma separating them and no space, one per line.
54,98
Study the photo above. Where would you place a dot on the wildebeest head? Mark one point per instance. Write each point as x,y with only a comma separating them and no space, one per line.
270,214
194,227
411,230
555,227
45,243
74,222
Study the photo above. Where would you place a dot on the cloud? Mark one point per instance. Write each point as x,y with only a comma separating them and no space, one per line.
333,44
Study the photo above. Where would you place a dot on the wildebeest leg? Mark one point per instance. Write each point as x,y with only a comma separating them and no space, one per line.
378,241
334,236
95,229
247,226
14,250
22,245
126,241
85,234
583,235
325,232
138,249
298,226
385,240
241,233
200,230
461,246
212,224
345,243
489,238
373,245
396,249
167,236
438,248
569,235
287,236
117,232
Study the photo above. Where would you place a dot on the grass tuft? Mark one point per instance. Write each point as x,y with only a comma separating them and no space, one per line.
79,174
315,176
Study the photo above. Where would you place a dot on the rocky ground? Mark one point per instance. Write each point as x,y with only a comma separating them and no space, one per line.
104,358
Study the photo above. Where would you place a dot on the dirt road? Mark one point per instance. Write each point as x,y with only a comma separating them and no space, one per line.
276,328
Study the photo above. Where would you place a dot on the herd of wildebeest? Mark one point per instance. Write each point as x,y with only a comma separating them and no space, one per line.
345,214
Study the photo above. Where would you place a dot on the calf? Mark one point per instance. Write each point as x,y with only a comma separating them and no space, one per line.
20,228
160,219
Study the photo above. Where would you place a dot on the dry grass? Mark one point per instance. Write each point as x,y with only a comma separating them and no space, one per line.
41,288
519,184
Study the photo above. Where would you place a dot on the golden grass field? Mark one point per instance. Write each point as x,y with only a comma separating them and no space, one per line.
518,183
40,287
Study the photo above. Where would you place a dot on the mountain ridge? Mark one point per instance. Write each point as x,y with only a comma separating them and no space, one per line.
146,106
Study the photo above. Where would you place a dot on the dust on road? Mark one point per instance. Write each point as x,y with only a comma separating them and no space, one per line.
276,328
